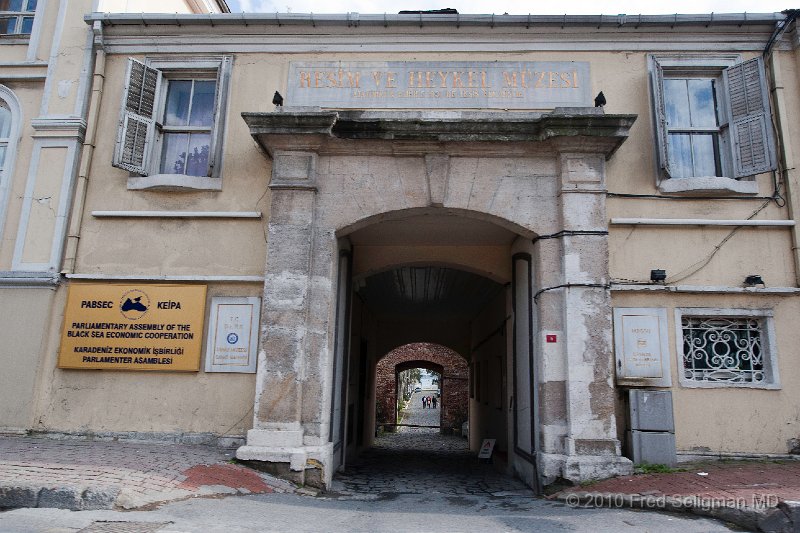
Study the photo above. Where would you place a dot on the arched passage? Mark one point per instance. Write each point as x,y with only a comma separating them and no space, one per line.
454,381
430,197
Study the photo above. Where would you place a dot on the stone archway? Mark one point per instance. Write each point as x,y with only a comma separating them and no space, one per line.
454,380
543,173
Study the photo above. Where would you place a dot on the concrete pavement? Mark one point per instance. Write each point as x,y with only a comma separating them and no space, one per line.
83,475
77,475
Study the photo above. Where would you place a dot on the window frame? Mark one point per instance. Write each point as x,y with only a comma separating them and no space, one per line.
149,176
735,179
768,345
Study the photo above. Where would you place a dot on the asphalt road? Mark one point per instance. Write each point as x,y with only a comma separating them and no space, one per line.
393,513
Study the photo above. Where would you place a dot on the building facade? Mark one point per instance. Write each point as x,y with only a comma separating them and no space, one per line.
578,206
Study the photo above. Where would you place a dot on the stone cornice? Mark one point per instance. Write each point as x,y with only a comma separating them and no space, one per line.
384,33
564,129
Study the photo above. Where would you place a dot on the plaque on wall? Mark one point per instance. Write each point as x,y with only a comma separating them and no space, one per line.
540,85
135,326
641,346
233,334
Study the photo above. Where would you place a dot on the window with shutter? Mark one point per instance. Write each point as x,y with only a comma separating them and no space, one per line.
171,124
712,123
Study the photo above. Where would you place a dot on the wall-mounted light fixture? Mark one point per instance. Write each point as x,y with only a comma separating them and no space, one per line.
658,275
752,280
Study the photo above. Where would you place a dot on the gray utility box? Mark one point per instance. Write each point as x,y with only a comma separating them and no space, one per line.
651,435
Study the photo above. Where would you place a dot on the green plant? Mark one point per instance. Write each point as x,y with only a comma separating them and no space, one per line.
646,468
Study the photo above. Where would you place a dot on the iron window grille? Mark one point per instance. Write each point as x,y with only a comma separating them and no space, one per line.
726,348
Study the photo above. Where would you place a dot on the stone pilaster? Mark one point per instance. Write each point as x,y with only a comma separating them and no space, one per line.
590,449
291,329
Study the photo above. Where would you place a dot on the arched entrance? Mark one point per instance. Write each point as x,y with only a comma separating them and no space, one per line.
453,383
370,209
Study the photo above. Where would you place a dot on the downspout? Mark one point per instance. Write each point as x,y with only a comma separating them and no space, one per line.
786,168
76,218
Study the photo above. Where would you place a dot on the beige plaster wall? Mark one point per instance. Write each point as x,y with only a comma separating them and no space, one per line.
22,351
151,6
90,401
488,417
200,247
730,419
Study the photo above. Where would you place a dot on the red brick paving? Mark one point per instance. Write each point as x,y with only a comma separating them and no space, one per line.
755,483
234,476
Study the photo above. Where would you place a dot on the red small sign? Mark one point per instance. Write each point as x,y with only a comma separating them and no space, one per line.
551,338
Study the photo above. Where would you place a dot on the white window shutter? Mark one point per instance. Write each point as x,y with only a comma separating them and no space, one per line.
137,119
220,105
750,121
660,112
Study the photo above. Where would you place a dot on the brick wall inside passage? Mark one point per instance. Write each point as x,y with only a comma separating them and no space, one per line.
454,381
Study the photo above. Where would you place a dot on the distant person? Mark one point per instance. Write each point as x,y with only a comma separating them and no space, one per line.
433,400
423,402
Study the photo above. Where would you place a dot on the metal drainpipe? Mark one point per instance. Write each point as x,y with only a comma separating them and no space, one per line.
786,155
76,218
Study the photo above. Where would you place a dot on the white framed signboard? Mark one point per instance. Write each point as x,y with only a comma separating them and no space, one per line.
642,347
233,334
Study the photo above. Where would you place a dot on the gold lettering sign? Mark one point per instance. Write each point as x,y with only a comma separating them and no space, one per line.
140,326
425,84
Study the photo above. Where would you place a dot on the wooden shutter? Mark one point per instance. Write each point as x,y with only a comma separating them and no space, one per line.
660,115
137,120
220,105
750,121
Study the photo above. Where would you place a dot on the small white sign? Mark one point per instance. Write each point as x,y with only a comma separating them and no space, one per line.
486,449
233,334
641,346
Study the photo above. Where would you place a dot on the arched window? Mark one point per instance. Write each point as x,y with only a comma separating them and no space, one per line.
5,131
10,120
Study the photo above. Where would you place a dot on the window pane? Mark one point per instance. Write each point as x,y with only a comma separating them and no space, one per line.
27,25
203,103
676,101
2,156
5,122
173,158
31,5
704,155
8,25
702,104
199,148
10,5
179,95
680,155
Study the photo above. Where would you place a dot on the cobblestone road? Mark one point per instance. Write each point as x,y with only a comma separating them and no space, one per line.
419,460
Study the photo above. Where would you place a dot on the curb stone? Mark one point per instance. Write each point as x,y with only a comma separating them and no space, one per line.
785,518
70,498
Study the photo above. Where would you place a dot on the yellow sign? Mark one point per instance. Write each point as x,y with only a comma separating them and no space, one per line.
133,327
